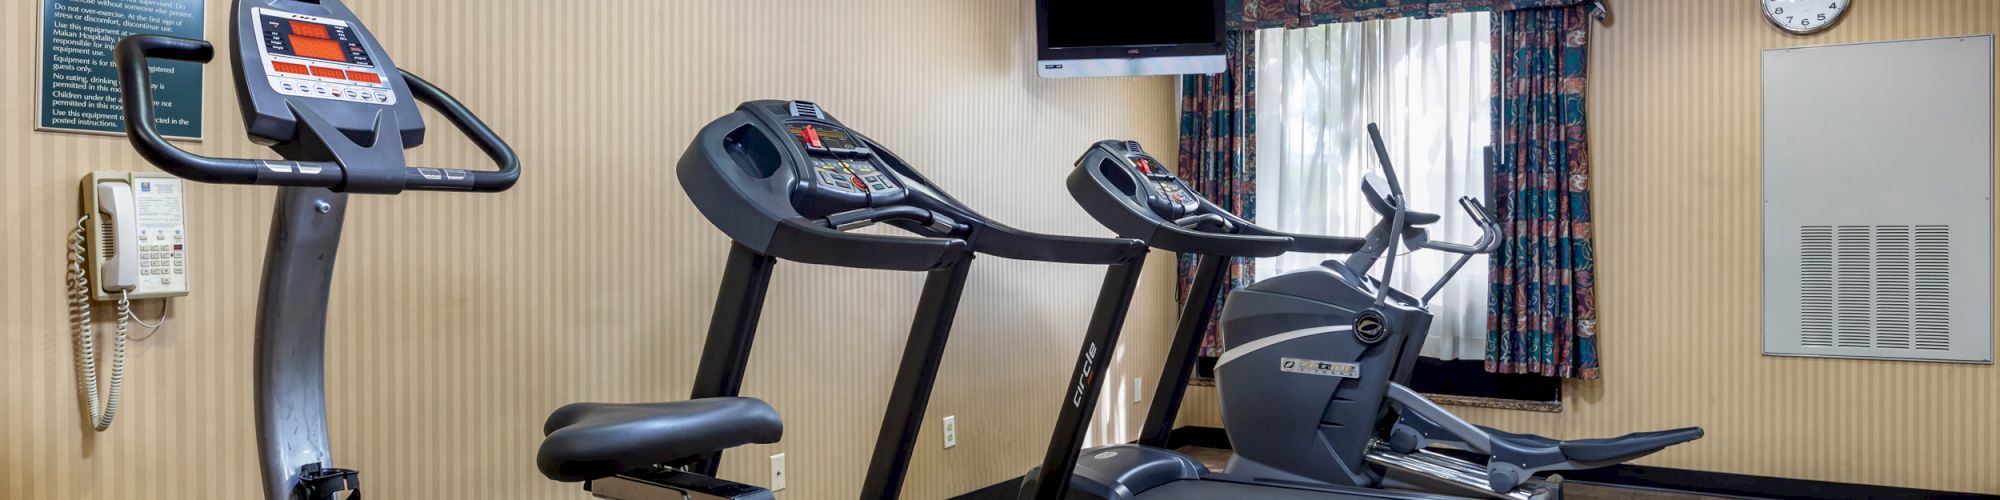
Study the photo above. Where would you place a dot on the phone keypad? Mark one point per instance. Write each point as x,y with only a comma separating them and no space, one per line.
162,259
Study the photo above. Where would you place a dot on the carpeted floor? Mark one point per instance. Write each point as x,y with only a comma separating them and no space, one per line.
1215,458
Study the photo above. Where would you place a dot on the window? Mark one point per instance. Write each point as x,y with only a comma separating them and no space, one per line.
1428,84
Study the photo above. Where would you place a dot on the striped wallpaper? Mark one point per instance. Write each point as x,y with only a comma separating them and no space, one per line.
460,321
1674,108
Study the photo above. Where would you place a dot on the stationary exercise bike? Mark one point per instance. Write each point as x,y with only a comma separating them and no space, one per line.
315,86
1313,377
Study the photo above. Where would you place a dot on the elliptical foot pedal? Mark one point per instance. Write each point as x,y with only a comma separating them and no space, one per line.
323,483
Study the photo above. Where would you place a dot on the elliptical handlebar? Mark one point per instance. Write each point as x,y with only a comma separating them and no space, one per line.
1489,237
1419,238
1399,221
135,79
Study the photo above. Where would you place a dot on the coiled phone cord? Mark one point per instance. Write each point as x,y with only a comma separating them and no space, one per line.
101,411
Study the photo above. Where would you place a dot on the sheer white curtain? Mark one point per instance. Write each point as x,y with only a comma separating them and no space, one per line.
1428,84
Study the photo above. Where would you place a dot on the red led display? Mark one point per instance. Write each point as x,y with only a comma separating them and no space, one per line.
296,69
303,28
329,73
363,77
318,48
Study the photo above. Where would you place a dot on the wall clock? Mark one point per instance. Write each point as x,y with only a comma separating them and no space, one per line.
1804,16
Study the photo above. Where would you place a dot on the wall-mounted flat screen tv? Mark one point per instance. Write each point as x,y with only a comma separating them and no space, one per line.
1130,37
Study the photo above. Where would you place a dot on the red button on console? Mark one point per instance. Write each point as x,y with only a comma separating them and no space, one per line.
363,77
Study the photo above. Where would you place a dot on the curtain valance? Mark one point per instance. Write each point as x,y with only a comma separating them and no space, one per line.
1258,14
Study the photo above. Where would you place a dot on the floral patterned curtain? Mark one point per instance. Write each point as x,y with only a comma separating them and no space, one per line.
1257,14
1542,309
1218,155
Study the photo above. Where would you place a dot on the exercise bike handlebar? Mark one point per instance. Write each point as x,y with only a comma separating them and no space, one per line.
135,81
474,129
132,56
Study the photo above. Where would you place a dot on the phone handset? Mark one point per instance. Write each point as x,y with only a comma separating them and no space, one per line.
120,273
130,243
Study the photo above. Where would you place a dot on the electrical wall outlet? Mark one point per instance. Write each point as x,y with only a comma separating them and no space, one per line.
950,431
777,472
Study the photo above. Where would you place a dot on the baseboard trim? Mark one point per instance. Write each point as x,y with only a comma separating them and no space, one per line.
1004,490
1627,476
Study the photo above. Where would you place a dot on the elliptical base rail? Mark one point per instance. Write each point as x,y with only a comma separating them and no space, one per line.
1440,469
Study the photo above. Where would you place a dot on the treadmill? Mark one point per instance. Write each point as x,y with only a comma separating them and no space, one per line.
1137,196
786,180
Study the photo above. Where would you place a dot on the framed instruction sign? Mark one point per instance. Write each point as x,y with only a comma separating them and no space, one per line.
78,85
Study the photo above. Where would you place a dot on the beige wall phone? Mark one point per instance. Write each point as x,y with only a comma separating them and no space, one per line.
130,244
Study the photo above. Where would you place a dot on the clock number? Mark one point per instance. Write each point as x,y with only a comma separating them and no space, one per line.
1788,19
1807,22
1780,11
1834,6
1822,17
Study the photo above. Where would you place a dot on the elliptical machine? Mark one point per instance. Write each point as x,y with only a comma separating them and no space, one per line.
315,86
1312,380
1136,196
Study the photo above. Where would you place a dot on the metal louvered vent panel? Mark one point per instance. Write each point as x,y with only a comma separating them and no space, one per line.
1877,234
1932,283
1877,288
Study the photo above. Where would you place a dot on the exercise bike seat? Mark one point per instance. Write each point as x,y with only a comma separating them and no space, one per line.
589,441
1599,450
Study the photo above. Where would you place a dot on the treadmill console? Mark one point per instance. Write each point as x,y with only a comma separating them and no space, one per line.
842,169
1152,183
775,171
1135,195
787,180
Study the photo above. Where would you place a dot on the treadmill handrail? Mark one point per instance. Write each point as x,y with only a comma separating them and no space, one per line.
1303,243
807,241
1007,242
132,56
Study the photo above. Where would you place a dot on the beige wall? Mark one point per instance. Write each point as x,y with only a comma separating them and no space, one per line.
1674,104
460,321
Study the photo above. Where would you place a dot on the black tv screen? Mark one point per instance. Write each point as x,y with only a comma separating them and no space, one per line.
1129,23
